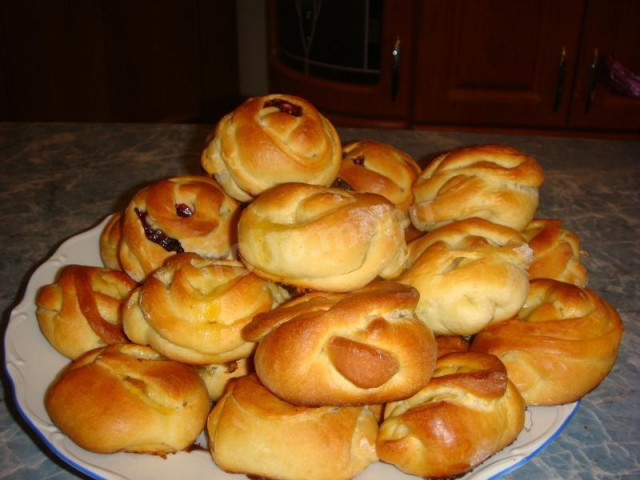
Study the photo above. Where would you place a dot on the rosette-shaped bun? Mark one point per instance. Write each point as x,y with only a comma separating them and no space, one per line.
252,431
81,309
375,167
128,398
560,346
468,412
361,347
493,182
193,309
180,214
271,140
321,238
470,274
556,252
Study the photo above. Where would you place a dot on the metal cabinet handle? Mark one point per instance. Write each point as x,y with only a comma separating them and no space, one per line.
560,81
395,68
594,74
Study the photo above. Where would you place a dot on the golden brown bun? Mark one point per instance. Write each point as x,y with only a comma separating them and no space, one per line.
190,213
375,167
321,238
493,182
470,274
271,140
128,398
81,309
251,431
561,345
110,242
193,309
556,252
217,376
361,347
468,412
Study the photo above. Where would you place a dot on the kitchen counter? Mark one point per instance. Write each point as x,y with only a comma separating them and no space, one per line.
61,179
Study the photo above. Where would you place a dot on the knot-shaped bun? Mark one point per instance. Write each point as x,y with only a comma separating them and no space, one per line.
560,346
271,140
128,398
375,167
321,238
193,309
470,274
361,347
174,215
81,309
493,182
252,431
556,252
468,412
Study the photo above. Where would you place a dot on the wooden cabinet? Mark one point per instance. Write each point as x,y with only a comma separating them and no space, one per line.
495,62
485,63
611,27
117,60
386,100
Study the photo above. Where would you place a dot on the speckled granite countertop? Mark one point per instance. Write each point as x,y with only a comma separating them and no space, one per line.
60,179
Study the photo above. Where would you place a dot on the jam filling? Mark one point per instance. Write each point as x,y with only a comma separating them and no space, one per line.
232,366
295,291
340,183
284,106
156,235
183,210
359,160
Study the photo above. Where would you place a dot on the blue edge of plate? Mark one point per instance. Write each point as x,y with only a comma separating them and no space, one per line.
91,474
26,418
541,447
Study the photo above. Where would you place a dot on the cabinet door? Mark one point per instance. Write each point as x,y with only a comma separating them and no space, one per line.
495,62
348,98
612,27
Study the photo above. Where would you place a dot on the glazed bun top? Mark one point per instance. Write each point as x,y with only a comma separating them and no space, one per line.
467,412
270,140
127,397
494,182
321,238
470,274
560,346
174,215
556,251
359,347
80,310
375,167
193,309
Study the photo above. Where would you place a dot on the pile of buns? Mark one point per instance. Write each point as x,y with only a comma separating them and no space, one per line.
317,307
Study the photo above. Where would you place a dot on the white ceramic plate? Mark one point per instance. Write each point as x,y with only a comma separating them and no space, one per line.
32,365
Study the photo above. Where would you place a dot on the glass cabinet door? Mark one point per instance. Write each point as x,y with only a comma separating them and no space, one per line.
346,57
